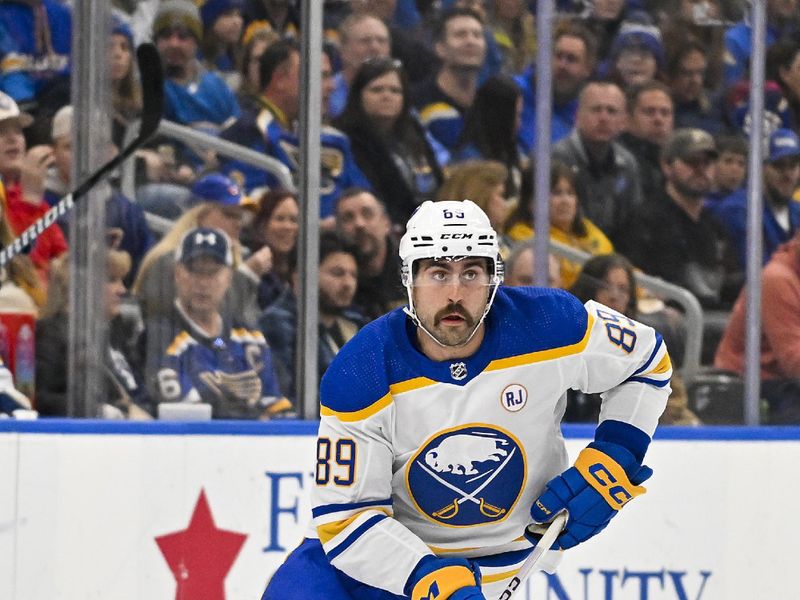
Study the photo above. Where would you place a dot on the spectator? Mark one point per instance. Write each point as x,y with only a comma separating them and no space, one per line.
121,213
781,215
610,280
514,30
398,157
126,92
274,227
338,320
650,124
23,173
604,18
731,171
361,220
782,22
194,96
222,33
257,38
780,335
691,251
34,57
282,17
216,202
607,174
443,99
783,67
574,59
211,358
362,36
686,74
483,182
636,56
13,403
491,129
21,288
568,225
272,129
776,113
126,396
520,267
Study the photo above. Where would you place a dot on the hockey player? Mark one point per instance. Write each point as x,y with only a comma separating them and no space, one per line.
439,443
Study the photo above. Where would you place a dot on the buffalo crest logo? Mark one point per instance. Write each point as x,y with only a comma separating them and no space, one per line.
468,476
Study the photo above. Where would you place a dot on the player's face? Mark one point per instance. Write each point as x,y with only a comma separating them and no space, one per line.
382,98
362,222
652,117
616,290
450,297
201,285
338,278
282,227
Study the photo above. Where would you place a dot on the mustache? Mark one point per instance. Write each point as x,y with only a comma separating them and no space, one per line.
449,310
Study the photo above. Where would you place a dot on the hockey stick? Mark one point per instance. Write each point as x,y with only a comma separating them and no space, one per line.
152,107
549,537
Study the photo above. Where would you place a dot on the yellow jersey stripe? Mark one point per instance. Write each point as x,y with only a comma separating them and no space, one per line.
663,366
542,355
328,531
358,415
498,576
176,344
410,385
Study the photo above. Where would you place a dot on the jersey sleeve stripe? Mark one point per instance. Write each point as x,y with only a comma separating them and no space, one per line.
663,366
327,509
354,535
543,355
656,382
358,415
648,362
328,531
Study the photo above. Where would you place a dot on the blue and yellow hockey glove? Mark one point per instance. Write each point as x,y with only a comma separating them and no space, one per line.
605,478
445,579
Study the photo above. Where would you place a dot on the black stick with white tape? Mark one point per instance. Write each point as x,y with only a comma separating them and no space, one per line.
152,78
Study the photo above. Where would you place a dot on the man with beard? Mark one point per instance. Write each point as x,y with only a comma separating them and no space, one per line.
672,236
443,100
338,320
211,358
574,58
781,215
440,427
362,221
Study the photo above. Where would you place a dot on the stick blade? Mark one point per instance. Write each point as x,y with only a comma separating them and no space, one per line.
152,76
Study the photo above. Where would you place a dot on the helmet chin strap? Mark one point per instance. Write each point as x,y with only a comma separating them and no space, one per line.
412,312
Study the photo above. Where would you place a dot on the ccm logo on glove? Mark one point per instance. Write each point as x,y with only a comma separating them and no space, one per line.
607,478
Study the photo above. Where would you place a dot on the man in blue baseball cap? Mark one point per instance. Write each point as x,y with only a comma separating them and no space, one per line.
781,174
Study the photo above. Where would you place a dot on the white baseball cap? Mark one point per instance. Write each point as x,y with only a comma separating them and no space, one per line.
10,110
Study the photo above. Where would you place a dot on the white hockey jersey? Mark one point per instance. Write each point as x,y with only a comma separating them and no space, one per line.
416,456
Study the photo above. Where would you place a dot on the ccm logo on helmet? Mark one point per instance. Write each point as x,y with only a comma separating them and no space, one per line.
456,236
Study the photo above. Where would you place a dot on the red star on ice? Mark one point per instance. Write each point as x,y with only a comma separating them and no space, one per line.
201,555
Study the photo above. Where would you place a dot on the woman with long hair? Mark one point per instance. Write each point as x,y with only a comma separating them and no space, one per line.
491,127
126,91
391,147
274,225
568,224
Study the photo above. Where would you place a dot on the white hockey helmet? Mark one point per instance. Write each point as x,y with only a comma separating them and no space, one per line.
452,229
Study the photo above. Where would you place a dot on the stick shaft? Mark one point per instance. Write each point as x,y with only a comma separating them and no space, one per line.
548,539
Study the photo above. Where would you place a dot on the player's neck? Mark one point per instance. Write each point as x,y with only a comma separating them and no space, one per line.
437,352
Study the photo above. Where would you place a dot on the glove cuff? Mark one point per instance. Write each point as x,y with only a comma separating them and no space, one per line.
440,578
607,476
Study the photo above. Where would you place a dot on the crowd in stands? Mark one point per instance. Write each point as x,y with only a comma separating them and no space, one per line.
420,100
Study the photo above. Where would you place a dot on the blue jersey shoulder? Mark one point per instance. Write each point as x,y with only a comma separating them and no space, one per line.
530,319
367,365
